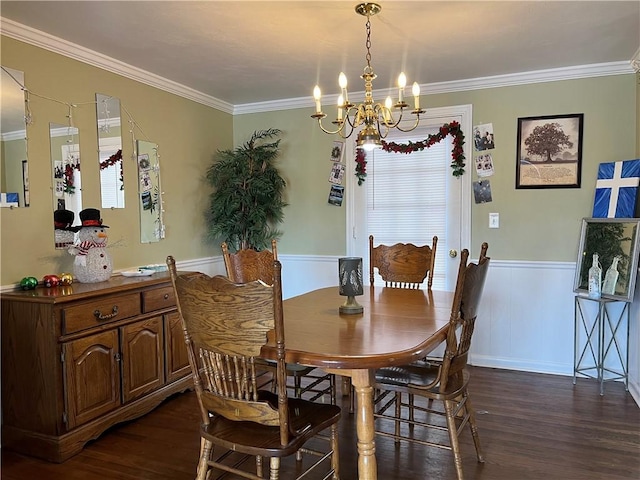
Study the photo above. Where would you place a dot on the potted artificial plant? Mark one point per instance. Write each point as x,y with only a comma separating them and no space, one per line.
247,201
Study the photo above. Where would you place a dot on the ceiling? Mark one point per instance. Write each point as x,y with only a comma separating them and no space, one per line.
243,52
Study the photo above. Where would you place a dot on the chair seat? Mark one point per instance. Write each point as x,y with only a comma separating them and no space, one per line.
420,375
309,418
292,368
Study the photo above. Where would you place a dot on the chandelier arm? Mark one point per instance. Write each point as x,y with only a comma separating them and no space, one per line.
330,132
415,125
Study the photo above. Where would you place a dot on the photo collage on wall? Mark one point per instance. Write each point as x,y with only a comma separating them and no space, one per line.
483,144
336,175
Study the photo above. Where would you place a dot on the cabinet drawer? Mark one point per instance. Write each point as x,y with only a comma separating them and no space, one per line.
157,299
100,311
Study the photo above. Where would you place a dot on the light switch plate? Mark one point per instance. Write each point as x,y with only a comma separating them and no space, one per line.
494,220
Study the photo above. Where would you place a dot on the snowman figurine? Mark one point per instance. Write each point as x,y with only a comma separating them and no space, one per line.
64,232
92,263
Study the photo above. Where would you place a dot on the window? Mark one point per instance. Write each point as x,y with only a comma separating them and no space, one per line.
407,198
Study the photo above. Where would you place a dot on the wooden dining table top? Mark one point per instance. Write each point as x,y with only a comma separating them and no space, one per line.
397,326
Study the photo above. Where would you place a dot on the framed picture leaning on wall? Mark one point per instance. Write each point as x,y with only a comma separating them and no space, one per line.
616,241
549,151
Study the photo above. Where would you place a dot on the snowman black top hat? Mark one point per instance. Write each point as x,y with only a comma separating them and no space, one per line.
63,219
90,217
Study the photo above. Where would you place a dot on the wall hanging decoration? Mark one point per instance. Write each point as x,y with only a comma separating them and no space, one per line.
549,151
618,190
457,153
483,137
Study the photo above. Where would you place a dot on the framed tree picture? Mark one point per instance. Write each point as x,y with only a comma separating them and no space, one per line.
549,151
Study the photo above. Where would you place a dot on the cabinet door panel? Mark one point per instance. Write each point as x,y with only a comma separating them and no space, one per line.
177,357
142,358
92,377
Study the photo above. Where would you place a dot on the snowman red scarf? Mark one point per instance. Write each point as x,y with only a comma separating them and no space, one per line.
81,250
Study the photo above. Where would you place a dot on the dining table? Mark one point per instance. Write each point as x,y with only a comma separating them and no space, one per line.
397,326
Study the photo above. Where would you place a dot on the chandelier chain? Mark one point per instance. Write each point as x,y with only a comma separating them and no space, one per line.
368,68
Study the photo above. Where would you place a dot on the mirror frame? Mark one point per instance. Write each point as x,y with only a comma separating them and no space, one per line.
106,106
149,192
625,243
14,108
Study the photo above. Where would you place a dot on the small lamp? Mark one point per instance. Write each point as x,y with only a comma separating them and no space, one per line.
350,276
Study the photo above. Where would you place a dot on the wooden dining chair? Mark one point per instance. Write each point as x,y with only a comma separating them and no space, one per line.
247,265
225,326
446,380
403,265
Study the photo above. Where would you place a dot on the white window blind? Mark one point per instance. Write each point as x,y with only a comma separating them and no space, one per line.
406,198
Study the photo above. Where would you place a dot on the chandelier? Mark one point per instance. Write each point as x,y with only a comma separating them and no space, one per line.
375,118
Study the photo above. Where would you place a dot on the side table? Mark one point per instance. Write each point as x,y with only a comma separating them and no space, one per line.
601,326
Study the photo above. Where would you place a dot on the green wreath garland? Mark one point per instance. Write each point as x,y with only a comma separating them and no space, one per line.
457,153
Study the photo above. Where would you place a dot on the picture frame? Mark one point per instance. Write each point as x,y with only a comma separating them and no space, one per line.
609,238
337,151
549,151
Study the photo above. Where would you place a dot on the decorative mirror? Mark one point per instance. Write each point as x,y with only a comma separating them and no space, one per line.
14,168
150,195
110,151
67,181
616,241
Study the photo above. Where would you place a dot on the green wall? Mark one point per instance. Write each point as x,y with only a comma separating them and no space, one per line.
537,224
188,134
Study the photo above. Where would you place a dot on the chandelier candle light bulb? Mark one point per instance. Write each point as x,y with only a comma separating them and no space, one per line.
402,82
317,96
416,95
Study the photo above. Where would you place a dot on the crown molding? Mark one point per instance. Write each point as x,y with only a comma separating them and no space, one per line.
40,39
54,44
523,78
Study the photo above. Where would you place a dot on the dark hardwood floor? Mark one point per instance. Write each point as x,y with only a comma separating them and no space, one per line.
532,426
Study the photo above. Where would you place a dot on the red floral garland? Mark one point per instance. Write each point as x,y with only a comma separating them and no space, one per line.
457,153
69,185
112,160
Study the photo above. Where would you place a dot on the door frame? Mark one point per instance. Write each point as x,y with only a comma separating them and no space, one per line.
463,114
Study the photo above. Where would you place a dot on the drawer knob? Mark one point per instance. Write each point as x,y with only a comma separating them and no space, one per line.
166,296
108,316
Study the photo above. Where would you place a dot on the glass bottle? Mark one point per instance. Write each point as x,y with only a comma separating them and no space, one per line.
611,277
595,278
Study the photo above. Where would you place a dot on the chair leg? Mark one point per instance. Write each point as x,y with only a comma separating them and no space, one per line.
474,428
453,437
352,398
205,453
297,382
398,401
259,466
274,470
332,386
335,456
411,412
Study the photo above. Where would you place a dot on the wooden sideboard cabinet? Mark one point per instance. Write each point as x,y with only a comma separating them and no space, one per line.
78,359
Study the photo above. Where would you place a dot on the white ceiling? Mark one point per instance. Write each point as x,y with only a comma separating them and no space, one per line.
243,52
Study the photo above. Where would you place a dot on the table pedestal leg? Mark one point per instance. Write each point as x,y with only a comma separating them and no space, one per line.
363,381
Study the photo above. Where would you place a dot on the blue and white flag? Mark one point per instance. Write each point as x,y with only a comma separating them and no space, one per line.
617,190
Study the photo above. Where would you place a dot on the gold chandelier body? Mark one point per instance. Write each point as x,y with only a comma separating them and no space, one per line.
376,119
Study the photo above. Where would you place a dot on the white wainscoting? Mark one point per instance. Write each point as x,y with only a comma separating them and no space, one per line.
526,321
